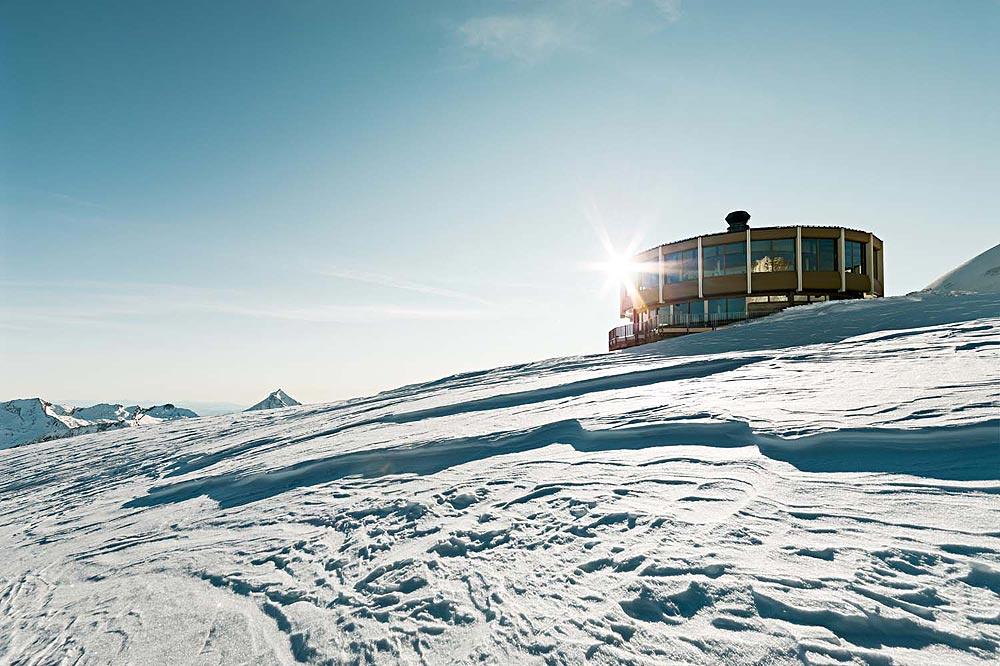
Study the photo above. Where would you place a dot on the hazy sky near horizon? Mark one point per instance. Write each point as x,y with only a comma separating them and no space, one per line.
205,201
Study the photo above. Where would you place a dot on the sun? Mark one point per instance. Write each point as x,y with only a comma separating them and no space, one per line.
619,269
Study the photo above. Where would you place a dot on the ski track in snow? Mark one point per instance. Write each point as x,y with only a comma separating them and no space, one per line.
822,487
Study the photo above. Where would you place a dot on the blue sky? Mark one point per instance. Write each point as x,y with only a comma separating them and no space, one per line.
204,201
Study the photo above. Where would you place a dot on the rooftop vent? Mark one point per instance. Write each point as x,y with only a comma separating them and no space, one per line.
737,220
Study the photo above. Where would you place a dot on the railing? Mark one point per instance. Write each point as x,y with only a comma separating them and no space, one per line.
629,335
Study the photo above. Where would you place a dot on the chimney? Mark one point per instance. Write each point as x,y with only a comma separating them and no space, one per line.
738,220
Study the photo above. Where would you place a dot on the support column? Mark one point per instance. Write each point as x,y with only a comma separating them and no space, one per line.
843,259
749,284
659,265
798,257
870,261
700,270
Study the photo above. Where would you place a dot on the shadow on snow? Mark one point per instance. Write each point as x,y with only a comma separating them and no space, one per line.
965,453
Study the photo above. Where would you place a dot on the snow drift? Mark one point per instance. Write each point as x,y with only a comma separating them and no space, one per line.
980,275
817,487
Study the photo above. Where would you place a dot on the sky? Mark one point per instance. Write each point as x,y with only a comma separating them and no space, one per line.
202,202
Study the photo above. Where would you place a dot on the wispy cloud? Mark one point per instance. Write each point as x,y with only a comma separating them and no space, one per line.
545,28
514,37
382,280
369,314
669,9
43,304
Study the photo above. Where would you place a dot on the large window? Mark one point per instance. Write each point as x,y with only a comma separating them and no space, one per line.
772,256
683,314
649,279
721,309
680,266
729,259
854,257
819,254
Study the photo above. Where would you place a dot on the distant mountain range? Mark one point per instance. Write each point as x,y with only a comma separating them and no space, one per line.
30,420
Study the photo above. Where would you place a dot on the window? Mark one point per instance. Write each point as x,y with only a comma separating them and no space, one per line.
649,279
875,254
854,257
729,259
682,314
681,266
819,254
721,309
772,256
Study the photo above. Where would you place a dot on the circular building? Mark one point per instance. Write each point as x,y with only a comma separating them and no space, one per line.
701,283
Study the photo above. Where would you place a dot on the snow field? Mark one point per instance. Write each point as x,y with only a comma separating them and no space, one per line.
820,487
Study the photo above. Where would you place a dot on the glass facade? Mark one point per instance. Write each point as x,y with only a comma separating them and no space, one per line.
680,266
729,259
721,309
854,257
819,254
649,280
772,256
716,303
682,314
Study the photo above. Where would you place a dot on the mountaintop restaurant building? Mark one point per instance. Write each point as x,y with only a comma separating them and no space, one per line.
698,284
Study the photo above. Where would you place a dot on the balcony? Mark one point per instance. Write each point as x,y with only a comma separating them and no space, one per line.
629,335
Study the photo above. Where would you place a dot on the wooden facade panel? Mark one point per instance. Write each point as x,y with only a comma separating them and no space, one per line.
648,260
649,296
820,232
856,282
822,280
690,244
771,234
723,239
722,285
784,281
680,291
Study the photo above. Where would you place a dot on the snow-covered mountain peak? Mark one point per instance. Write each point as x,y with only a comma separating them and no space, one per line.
27,420
276,400
167,412
980,275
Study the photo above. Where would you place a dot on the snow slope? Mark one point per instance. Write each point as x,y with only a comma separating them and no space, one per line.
34,420
276,400
818,487
981,274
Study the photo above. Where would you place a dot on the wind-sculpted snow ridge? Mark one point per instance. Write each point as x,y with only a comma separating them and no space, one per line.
820,487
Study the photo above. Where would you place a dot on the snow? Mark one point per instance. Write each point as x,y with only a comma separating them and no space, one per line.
24,421
167,412
33,419
981,274
817,487
276,400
